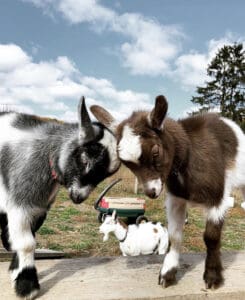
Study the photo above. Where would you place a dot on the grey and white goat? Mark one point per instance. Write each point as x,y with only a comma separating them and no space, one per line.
36,157
142,239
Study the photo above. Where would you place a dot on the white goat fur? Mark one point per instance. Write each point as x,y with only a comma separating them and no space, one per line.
145,238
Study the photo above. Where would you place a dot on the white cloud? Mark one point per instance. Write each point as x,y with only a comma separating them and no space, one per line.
191,68
121,103
24,80
150,46
12,57
53,86
77,11
69,116
56,106
105,88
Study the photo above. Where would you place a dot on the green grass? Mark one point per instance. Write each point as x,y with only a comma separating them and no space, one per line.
75,229
82,246
44,230
55,246
65,227
67,213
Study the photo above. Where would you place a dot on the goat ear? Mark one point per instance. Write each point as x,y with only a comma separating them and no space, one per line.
104,117
86,130
103,218
158,114
114,215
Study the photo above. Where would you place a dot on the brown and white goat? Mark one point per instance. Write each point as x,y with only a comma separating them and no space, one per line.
200,158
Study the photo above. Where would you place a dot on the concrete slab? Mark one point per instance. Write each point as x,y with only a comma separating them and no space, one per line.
129,278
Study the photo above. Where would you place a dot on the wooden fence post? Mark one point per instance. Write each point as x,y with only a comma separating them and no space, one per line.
136,185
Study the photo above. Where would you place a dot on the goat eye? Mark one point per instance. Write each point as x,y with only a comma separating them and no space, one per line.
84,158
87,166
157,157
85,162
155,150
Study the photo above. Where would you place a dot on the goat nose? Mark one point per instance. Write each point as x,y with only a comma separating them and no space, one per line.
77,199
153,187
151,193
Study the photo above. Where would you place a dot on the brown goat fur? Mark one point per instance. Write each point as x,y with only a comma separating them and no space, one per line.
199,148
199,158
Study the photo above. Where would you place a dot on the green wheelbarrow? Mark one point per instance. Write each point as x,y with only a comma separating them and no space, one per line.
126,207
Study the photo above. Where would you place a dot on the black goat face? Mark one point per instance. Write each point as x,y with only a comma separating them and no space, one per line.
87,166
89,158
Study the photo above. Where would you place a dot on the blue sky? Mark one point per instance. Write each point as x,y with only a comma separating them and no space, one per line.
119,54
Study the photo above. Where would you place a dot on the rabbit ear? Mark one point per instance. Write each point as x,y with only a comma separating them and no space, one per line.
114,215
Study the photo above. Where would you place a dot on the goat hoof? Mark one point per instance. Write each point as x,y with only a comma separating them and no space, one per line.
213,278
26,283
168,278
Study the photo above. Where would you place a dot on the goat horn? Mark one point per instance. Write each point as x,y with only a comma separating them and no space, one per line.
96,203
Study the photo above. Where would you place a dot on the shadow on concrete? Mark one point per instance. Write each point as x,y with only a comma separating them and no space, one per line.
186,265
187,262
66,268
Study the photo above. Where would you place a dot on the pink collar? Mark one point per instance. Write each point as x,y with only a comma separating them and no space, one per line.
53,172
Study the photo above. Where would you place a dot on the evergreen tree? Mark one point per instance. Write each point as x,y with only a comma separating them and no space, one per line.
227,89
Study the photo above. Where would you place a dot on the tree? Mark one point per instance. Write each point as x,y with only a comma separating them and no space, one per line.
227,89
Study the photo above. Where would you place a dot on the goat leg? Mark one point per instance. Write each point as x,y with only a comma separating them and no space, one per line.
176,212
213,266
